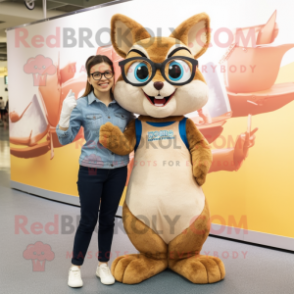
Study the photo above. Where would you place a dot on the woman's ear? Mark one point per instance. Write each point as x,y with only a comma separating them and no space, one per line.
89,80
125,32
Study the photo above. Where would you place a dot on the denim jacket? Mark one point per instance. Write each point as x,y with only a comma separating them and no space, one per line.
91,113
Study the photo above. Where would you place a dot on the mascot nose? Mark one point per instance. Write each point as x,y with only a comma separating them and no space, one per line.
158,85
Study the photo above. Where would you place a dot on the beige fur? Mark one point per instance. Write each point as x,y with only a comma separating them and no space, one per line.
182,255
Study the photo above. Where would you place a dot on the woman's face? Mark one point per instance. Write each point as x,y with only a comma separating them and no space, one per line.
105,83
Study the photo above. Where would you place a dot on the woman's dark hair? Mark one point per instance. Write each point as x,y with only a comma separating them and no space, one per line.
91,61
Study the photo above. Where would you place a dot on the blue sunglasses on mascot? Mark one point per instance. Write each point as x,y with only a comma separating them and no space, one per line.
177,70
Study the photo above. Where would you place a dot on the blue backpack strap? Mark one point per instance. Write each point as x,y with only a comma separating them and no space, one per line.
182,131
138,126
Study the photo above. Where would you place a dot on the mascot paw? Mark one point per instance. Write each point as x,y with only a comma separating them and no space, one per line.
200,269
109,135
200,170
135,268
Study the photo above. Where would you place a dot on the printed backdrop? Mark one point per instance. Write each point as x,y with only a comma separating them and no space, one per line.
251,86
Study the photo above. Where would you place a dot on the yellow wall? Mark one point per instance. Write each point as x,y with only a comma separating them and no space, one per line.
263,188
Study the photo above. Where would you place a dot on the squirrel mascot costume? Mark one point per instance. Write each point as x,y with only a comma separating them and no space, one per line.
165,214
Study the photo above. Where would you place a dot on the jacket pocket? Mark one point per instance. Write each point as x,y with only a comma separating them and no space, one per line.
94,121
120,120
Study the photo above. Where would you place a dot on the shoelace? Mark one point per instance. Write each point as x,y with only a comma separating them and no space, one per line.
75,273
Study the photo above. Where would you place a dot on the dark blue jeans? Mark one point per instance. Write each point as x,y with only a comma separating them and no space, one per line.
93,185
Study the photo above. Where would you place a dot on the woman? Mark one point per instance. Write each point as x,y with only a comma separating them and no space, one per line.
102,174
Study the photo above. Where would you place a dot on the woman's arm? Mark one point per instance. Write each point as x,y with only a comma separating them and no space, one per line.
67,135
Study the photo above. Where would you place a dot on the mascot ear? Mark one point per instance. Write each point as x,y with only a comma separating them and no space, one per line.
194,33
125,32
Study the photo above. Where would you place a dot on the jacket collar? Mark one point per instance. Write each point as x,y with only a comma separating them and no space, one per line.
92,98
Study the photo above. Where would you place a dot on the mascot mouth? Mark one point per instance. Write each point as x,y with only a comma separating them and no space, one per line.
159,101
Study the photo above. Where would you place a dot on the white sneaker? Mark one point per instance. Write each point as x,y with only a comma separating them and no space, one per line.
103,272
74,277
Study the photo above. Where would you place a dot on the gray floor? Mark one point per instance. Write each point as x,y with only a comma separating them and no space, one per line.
261,271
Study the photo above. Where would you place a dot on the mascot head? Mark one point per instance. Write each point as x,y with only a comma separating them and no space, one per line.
160,75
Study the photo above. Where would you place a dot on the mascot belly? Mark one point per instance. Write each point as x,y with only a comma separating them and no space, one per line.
161,178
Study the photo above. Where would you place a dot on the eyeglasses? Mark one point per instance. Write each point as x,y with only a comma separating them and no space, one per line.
98,75
177,70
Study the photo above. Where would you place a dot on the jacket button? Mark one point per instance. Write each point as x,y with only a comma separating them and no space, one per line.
109,117
111,164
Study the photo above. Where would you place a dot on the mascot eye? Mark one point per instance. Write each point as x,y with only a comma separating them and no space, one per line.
178,71
138,73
